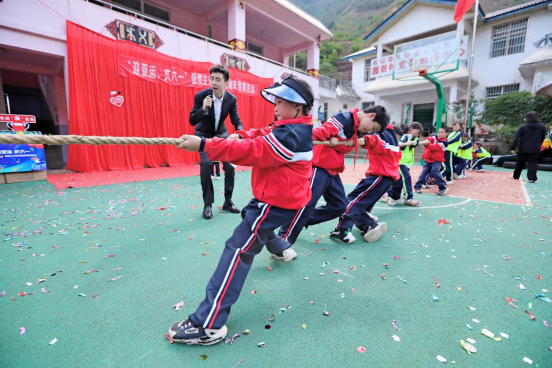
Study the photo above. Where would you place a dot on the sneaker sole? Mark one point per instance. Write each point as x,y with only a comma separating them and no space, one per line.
412,204
286,259
221,335
343,241
374,235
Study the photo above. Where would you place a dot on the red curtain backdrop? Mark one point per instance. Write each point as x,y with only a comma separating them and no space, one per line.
157,96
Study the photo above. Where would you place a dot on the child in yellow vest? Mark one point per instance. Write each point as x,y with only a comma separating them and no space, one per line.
480,156
454,139
407,143
465,157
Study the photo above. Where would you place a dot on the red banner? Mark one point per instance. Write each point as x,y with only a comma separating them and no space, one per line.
117,88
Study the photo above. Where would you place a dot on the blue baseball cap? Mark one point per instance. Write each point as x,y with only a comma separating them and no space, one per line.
289,90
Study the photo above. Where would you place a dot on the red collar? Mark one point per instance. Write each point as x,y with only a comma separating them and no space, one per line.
300,120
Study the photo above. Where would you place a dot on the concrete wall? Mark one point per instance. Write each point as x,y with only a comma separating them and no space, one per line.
419,20
503,70
358,79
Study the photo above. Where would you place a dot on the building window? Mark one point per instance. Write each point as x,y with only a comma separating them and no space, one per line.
145,8
345,106
254,48
367,74
496,91
325,111
509,38
366,105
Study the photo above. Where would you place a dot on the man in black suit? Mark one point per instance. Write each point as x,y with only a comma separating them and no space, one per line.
211,107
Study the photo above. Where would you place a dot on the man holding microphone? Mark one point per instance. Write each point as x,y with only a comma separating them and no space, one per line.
211,108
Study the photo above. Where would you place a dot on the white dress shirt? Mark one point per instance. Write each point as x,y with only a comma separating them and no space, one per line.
217,103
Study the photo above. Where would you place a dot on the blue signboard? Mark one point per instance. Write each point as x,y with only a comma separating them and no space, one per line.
21,157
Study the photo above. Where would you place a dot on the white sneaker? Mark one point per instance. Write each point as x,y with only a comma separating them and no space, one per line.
461,176
218,177
480,170
213,177
376,218
287,255
372,235
391,202
455,176
449,182
385,198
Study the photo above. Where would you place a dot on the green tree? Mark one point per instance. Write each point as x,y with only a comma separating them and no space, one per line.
509,109
328,69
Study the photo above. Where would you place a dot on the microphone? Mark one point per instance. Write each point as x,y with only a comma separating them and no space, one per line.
208,108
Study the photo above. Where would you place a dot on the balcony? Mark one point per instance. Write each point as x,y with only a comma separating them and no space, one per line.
265,36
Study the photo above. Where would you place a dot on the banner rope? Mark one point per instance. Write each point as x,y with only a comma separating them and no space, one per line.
56,140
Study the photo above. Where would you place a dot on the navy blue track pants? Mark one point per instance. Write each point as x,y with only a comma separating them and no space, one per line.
322,184
249,238
404,184
361,200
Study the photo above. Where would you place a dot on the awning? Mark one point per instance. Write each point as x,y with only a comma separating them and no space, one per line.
542,56
545,89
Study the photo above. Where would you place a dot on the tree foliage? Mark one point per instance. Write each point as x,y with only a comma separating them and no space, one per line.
509,110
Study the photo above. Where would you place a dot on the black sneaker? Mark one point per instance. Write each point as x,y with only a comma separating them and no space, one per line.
185,332
343,235
442,192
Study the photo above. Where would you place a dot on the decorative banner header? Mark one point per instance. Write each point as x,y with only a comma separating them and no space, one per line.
231,61
129,32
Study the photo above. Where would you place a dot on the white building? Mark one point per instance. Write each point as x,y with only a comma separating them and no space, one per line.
261,34
506,58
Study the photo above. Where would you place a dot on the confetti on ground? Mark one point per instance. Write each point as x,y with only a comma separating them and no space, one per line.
361,350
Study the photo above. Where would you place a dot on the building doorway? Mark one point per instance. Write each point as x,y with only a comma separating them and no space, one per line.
424,114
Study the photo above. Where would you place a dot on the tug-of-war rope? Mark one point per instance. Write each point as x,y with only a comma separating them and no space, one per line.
56,140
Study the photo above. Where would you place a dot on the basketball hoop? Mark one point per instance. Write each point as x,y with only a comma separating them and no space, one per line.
420,69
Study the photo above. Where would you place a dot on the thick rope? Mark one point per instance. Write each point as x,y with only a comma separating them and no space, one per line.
56,140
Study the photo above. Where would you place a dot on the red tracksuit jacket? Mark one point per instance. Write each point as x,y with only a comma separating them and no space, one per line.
384,154
435,151
280,157
341,125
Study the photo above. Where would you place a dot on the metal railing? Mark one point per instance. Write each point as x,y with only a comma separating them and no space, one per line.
345,84
327,82
190,33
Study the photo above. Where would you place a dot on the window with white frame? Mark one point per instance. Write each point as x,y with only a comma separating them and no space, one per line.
496,91
367,77
509,38
366,105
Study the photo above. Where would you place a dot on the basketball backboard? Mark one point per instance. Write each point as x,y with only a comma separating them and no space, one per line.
435,55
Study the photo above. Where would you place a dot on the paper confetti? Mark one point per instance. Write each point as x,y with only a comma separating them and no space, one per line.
177,306
53,341
361,350
21,330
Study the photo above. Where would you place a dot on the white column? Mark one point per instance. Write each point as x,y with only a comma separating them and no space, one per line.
379,51
236,25
313,60
453,93
461,26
